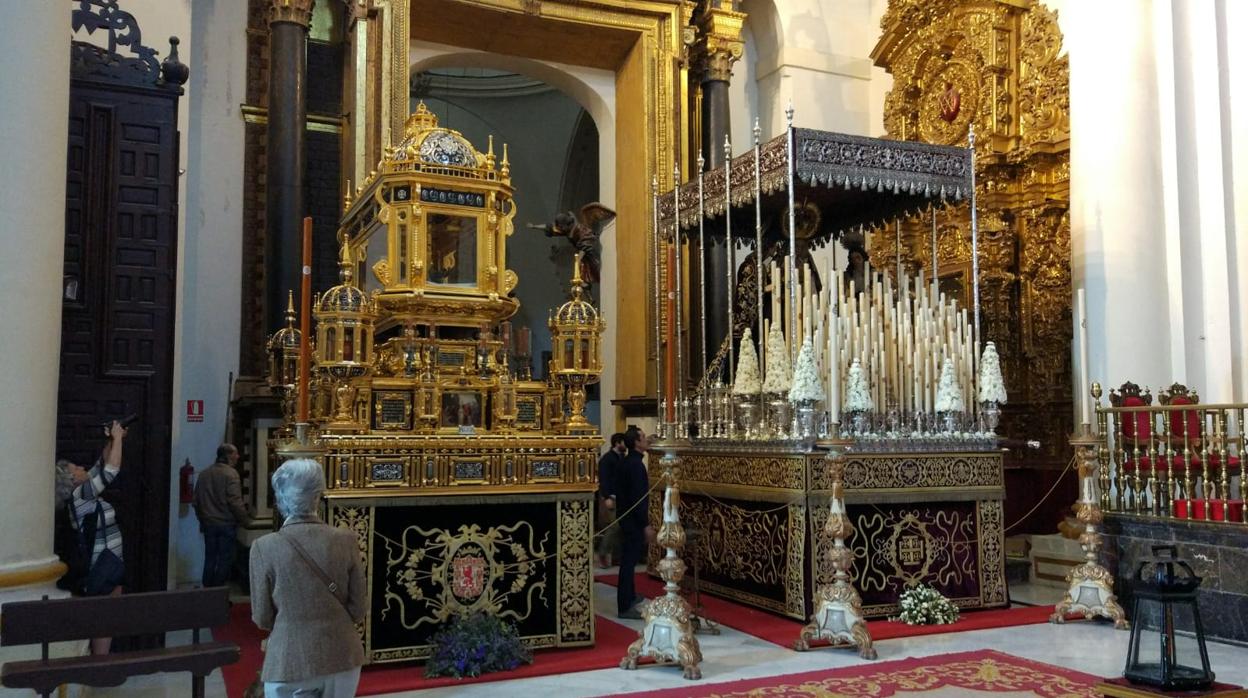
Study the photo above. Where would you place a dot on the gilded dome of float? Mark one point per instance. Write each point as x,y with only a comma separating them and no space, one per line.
346,297
424,141
577,311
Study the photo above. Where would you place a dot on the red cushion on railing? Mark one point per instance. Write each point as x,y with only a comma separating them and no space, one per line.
1186,422
1196,508
1137,425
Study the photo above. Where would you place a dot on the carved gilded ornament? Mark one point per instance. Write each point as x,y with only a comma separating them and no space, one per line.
718,44
999,65
296,11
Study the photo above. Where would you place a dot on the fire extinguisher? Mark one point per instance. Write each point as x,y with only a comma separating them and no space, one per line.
186,482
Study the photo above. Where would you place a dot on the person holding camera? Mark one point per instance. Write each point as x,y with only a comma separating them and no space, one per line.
94,520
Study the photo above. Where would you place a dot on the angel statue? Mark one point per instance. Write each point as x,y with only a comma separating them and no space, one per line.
582,229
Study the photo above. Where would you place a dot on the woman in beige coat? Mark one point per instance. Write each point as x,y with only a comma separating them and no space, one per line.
307,586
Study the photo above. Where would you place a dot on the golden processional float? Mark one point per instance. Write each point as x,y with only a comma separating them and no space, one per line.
858,431
467,484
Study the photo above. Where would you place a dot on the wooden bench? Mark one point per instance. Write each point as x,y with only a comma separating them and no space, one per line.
64,620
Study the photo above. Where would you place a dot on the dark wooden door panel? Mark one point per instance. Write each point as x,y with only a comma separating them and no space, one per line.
119,293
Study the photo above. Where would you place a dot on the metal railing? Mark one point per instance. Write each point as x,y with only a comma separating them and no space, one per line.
1173,461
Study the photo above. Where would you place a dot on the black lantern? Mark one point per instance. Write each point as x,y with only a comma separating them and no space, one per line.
1167,641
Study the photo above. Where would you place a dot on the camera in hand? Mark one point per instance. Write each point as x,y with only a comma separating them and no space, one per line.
125,422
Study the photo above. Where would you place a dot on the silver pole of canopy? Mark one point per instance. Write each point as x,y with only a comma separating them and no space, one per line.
758,242
702,267
974,241
794,342
897,235
678,284
732,259
658,305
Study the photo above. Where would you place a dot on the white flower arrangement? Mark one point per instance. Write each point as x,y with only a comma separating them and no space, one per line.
777,380
991,383
923,605
857,392
806,384
746,382
949,393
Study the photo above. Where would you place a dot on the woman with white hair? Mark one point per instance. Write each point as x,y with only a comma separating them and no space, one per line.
307,586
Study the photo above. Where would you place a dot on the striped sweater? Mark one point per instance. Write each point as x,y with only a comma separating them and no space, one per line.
88,503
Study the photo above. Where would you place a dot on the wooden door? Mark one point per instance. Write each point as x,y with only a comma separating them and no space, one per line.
117,332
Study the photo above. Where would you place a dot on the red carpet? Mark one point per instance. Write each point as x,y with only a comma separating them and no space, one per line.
783,631
244,633
612,641
982,670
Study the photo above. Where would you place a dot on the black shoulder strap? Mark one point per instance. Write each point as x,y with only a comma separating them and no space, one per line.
330,585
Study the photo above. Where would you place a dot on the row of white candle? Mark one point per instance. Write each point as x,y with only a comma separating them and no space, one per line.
900,335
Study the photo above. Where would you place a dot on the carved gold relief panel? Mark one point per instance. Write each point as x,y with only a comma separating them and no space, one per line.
998,65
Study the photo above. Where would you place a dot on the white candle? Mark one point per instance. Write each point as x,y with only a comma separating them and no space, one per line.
834,378
1085,408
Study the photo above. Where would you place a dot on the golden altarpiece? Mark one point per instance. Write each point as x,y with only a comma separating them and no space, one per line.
469,486
998,65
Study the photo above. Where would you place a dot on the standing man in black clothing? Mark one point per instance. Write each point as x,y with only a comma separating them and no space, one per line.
631,488
609,539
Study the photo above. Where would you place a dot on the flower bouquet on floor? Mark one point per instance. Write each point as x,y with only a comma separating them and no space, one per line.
475,644
923,605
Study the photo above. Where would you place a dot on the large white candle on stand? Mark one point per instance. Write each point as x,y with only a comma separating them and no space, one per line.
1085,408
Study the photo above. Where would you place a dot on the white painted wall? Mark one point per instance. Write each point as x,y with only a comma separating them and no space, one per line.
211,254
1157,192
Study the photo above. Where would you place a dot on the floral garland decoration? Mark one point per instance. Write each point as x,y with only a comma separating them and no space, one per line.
857,393
806,384
777,380
746,382
991,383
949,394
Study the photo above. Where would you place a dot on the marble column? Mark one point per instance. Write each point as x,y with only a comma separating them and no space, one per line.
719,46
34,79
288,46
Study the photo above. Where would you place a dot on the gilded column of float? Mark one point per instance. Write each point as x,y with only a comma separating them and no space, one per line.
1090,587
838,617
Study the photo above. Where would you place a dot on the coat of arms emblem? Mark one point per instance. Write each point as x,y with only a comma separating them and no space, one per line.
468,574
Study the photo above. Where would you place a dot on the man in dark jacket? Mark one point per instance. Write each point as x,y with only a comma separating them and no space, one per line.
631,488
608,538
219,506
